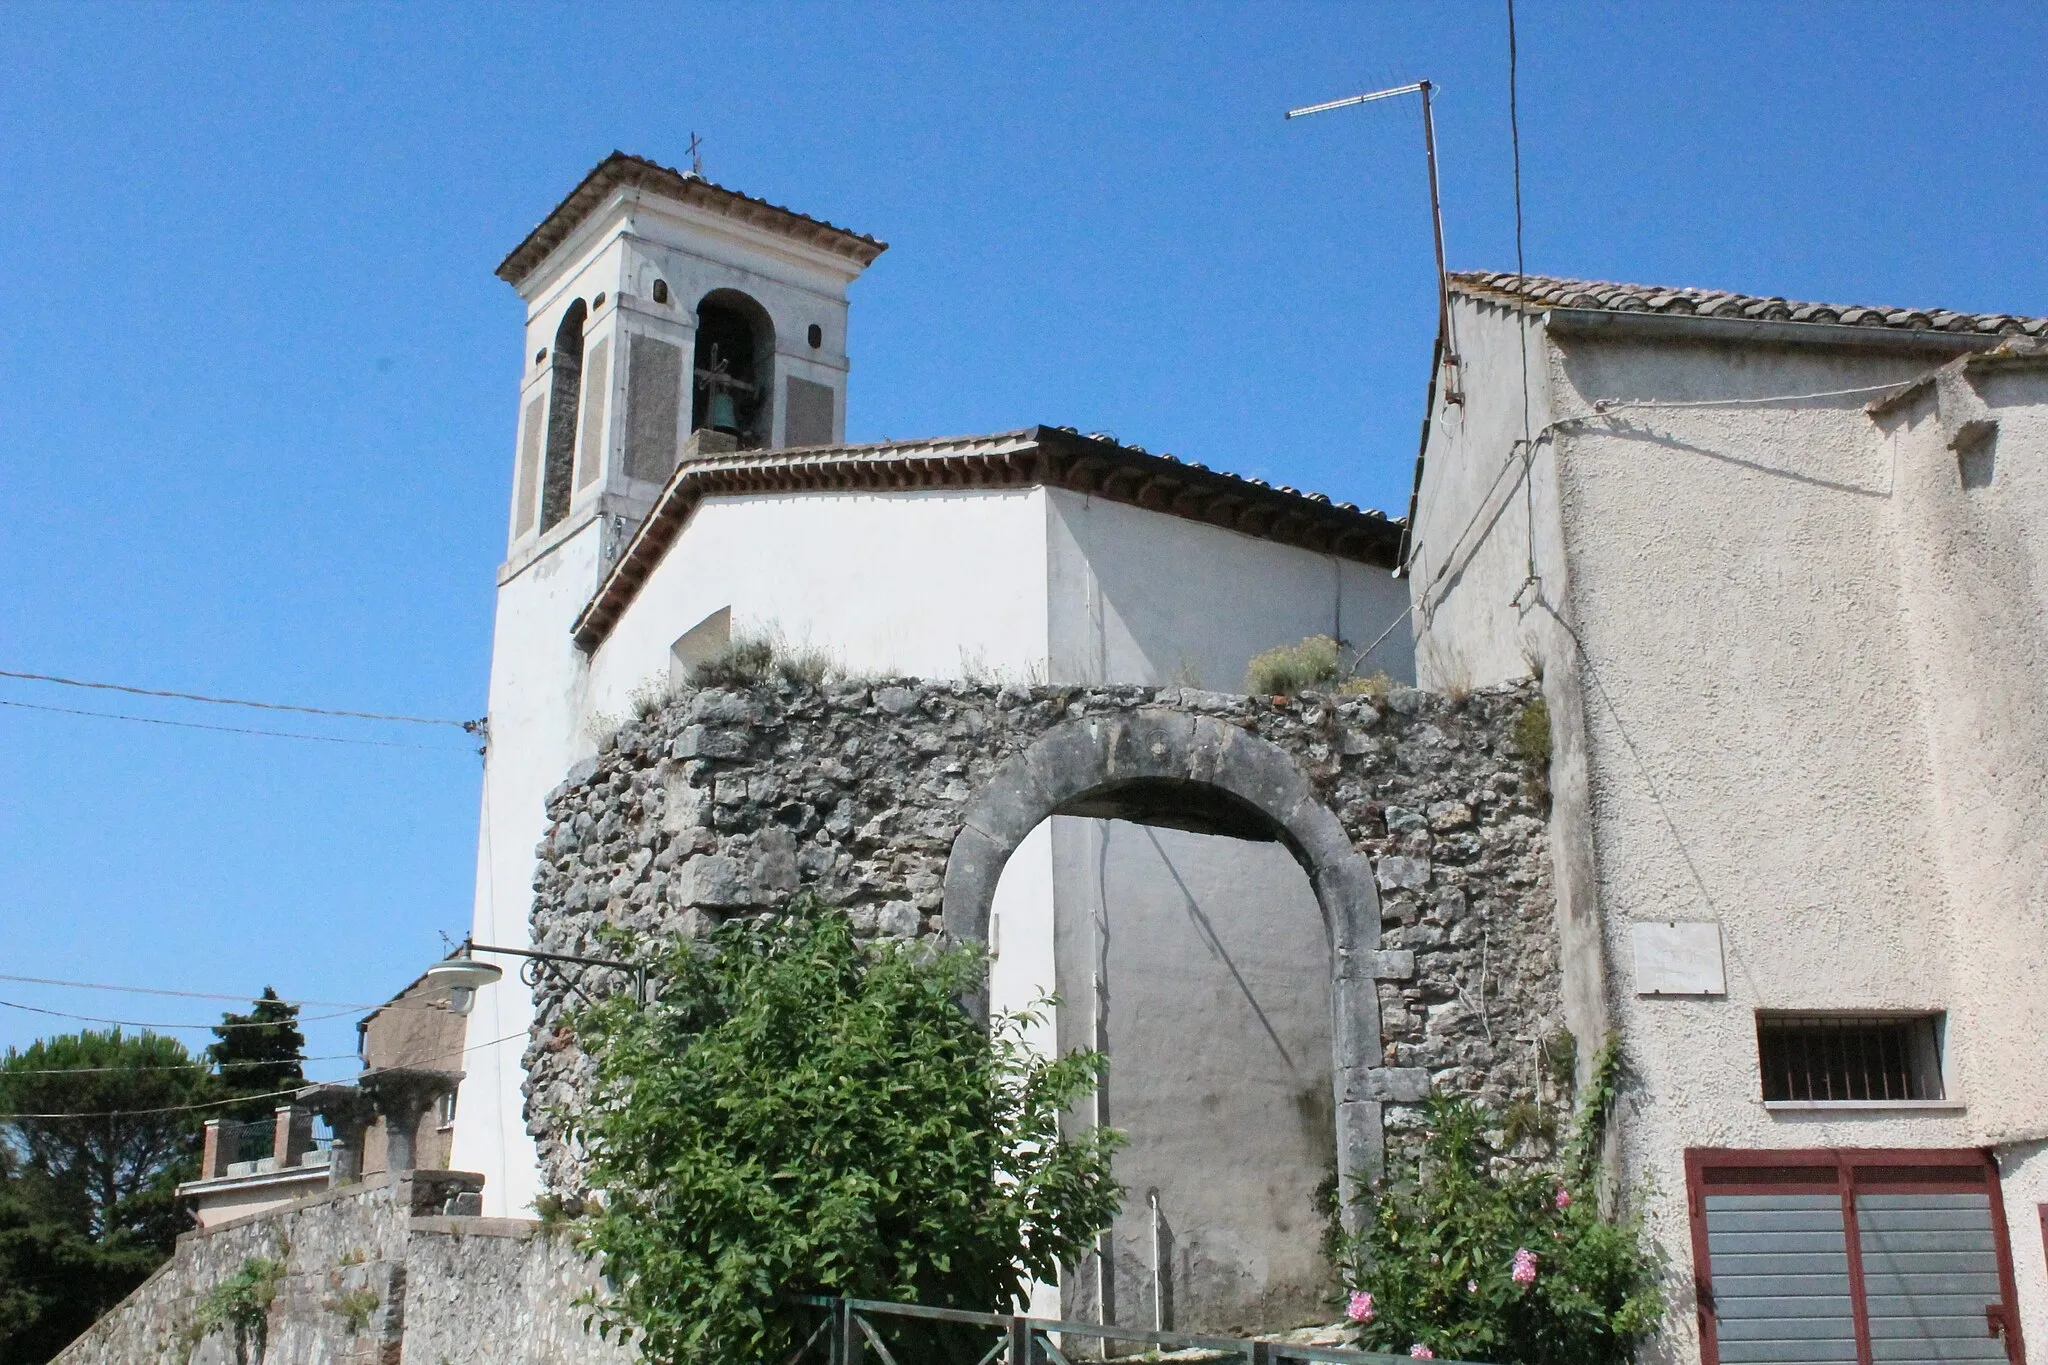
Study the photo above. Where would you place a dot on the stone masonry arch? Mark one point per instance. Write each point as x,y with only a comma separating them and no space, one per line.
898,801
1160,765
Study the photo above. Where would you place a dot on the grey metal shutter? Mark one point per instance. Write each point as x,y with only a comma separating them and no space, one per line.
1780,1270
1930,1266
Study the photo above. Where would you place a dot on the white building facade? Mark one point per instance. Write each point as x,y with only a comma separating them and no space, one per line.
681,479
1779,568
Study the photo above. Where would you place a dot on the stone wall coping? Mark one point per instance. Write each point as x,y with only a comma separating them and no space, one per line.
368,1185
458,1225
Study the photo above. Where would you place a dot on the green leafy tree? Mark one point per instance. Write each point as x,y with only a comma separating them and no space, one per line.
797,1113
87,1203
259,1054
1479,1259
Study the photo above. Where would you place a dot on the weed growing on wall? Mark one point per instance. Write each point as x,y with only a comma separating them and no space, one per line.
240,1304
1474,1259
799,1113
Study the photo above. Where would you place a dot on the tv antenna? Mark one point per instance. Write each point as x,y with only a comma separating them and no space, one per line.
697,161
1436,209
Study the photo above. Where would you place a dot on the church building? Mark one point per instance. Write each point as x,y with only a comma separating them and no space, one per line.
681,480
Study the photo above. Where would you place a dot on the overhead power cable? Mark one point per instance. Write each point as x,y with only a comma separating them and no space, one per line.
469,725
6,1118
143,1023
231,729
166,1109
161,990
162,1066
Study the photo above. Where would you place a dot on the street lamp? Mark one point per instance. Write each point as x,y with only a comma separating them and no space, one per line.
463,975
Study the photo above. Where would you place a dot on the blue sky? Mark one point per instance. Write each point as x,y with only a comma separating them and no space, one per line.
257,398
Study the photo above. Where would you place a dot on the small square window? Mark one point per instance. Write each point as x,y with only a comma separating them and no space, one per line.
1850,1058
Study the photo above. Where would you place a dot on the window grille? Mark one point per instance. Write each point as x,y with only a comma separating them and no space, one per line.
1846,1058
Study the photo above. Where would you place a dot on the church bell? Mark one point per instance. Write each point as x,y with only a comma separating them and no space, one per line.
721,413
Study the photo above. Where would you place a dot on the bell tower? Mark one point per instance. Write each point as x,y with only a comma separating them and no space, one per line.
666,318
659,305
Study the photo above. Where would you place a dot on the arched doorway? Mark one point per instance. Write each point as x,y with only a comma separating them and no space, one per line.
1207,923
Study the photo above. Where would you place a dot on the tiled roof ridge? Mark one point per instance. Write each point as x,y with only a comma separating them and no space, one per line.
1053,456
623,168
1550,291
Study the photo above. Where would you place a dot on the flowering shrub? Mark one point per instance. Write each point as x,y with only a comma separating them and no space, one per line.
798,1113
1518,1268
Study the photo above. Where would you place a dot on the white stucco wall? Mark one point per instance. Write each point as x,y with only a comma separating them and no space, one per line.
929,583
1141,597
1809,707
536,705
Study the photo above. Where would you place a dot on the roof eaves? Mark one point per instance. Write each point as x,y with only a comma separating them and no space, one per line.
1053,456
623,169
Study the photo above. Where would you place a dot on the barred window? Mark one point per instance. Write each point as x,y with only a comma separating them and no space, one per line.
1837,1058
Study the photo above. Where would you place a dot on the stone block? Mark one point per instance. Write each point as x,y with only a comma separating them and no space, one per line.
712,880
898,919
895,700
1447,815
699,741
1393,964
718,707
1396,1084
1398,872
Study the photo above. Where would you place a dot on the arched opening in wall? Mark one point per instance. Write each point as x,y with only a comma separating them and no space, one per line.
558,475
1183,937
733,369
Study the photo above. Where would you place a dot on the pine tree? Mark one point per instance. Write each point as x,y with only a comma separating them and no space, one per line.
259,1054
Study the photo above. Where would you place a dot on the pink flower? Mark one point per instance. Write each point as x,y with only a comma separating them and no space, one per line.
1471,1286
1360,1307
1421,1352
1524,1270
1564,1198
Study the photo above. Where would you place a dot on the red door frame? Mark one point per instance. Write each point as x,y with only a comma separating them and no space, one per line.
1846,1172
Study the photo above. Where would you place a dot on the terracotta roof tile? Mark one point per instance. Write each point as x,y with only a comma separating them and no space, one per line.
1053,456
1546,291
621,168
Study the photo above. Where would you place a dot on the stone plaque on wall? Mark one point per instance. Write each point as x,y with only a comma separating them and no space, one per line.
654,388
808,417
1678,959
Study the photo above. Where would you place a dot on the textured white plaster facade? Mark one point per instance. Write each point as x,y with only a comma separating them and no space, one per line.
1794,656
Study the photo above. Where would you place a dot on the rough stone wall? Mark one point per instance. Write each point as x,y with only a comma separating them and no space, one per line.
424,1288
727,802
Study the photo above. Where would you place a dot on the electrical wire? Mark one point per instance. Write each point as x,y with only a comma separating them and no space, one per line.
142,1023
166,1109
1522,324
238,1099
468,725
6,1071
230,729
189,995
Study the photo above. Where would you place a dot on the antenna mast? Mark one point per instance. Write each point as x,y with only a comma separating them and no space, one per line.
1436,210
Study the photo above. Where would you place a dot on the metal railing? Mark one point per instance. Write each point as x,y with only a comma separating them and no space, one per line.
848,1331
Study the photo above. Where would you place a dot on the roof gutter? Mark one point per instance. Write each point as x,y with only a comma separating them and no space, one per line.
1597,322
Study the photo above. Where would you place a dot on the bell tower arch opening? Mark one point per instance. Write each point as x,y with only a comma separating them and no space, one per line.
563,396
733,369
